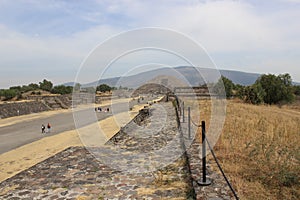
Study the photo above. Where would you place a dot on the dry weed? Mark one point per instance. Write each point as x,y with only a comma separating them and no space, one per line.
259,149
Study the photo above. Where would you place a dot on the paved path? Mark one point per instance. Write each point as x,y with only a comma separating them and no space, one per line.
75,173
21,133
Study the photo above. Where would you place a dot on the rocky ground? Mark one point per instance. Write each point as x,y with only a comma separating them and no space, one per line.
145,160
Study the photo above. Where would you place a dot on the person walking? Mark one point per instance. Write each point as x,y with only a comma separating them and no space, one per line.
43,128
48,128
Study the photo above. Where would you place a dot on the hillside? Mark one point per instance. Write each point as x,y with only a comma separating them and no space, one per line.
182,73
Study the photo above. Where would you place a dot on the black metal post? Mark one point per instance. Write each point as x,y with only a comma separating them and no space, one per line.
179,107
183,112
204,181
189,122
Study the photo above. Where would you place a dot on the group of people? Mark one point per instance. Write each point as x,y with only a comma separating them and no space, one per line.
99,109
44,128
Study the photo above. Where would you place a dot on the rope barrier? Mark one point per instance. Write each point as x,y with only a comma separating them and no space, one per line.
217,162
223,173
197,125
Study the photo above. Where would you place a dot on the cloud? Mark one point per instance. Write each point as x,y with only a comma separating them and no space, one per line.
291,1
56,58
53,38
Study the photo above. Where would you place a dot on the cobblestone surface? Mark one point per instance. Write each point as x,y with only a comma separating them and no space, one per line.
218,188
145,160
76,173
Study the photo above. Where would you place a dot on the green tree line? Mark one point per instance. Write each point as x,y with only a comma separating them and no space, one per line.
46,85
268,88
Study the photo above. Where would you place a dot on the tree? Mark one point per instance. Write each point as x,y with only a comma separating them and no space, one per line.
17,88
296,90
34,86
277,88
287,89
240,91
9,93
26,88
254,94
103,88
61,89
46,85
224,84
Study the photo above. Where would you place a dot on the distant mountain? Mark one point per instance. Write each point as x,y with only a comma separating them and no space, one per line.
69,84
242,78
190,74
186,73
108,81
296,83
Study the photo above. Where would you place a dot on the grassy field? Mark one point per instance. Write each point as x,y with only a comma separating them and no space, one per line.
259,149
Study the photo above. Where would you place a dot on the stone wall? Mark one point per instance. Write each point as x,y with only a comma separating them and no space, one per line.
21,108
54,101
35,104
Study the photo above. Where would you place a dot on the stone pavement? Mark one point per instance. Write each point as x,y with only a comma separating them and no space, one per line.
130,166
146,159
218,189
76,174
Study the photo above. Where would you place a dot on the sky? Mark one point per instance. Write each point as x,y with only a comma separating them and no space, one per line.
52,38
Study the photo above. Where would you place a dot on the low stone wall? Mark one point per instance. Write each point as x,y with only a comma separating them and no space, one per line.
138,119
21,108
35,104
54,101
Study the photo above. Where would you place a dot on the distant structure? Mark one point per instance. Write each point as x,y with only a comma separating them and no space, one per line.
151,88
200,92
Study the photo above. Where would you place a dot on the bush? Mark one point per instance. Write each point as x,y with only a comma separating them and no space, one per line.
103,88
61,89
9,93
46,85
224,84
277,88
254,94
296,89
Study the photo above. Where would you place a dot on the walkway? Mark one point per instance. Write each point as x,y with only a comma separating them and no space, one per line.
27,129
156,168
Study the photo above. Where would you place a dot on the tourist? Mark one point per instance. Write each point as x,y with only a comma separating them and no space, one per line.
43,128
48,128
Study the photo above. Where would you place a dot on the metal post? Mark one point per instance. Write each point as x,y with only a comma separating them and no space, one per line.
189,122
204,181
179,107
183,112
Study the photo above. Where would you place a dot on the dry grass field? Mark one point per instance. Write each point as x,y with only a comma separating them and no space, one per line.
259,149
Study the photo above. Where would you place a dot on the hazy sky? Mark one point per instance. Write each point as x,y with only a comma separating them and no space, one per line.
50,39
